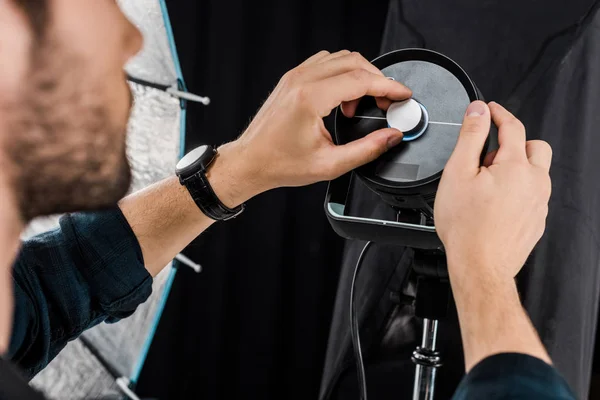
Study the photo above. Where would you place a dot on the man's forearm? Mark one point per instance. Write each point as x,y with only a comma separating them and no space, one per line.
493,321
165,218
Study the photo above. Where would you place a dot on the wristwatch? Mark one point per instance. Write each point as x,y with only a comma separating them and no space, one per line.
191,171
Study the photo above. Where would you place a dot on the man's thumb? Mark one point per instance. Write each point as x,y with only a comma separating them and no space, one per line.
471,140
362,151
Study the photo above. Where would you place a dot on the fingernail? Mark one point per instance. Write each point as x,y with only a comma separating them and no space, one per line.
394,141
476,109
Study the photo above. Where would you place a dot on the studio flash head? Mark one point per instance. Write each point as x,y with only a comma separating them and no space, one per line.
406,178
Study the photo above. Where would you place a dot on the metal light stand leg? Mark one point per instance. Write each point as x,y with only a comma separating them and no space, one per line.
431,302
427,361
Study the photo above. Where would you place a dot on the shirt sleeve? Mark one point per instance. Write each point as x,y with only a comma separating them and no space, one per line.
87,271
515,377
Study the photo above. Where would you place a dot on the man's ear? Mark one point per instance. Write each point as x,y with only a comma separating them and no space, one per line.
16,38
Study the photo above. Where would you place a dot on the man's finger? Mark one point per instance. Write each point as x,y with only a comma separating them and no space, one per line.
337,54
539,153
383,103
353,85
349,108
352,155
466,157
315,58
511,134
339,65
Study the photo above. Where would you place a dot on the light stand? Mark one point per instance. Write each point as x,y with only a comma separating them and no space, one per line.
431,303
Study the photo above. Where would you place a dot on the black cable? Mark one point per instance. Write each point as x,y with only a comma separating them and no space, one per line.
354,331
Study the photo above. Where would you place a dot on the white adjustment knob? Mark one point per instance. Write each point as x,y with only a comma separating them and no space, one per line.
404,115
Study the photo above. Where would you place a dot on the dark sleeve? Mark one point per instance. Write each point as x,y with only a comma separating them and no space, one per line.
513,376
87,271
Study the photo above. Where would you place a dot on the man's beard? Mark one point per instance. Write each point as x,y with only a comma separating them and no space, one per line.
65,152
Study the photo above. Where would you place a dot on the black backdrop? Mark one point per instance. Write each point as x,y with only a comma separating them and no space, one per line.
254,324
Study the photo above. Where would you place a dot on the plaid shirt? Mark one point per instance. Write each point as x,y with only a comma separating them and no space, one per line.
87,271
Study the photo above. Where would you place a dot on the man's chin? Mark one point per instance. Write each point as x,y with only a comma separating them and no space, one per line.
75,195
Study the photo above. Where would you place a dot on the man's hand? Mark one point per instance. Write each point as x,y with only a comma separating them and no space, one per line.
489,218
287,143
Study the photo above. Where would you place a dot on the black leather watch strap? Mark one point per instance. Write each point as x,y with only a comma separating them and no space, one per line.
207,200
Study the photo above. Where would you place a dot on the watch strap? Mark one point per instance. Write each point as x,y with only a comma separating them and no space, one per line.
207,200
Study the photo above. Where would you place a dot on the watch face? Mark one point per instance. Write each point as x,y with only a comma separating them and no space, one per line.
197,159
191,157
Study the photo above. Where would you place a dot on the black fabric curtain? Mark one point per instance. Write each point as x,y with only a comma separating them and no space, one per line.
254,323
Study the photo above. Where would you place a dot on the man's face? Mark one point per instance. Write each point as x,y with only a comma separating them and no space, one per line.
65,103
